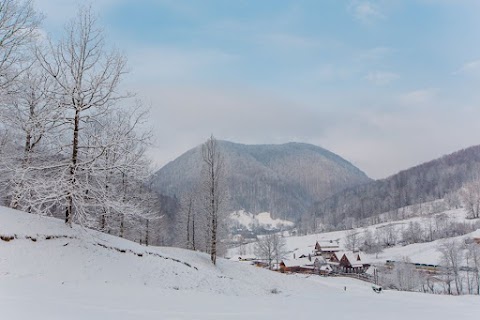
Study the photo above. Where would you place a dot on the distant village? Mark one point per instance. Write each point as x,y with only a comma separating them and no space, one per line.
324,259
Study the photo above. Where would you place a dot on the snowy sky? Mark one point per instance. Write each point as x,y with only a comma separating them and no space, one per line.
387,84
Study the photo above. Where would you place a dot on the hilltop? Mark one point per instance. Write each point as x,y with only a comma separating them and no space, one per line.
284,179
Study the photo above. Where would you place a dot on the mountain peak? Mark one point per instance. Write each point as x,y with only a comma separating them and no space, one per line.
284,179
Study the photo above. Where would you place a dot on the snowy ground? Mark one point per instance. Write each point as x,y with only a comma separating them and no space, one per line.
77,277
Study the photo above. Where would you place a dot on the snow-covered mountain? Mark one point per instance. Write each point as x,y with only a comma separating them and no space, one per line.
284,180
50,271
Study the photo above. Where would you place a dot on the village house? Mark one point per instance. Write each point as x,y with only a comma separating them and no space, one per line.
300,265
316,265
326,248
325,259
321,266
347,262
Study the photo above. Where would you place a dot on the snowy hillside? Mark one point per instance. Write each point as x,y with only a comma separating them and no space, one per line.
49,271
264,220
426,252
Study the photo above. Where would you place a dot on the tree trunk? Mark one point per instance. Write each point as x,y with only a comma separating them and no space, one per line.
73,165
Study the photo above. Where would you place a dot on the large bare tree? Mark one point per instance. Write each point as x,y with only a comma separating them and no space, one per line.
213,190
87,77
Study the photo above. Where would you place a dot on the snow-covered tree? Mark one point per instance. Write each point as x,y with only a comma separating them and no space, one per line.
213,193
271,247
33,119
86,79
451,252
473,262
189,223
413,233
352,240
470,195
18,29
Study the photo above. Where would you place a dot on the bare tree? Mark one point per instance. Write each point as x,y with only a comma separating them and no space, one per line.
87,78
213,190
34,119
280,247
451,258
271,248
405,277
188,222
470,195
352,240
387,235
473,261
371,245
18,25
413,233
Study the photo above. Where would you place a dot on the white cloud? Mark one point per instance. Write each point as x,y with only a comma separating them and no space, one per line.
365,11
381,78
420,97
470,68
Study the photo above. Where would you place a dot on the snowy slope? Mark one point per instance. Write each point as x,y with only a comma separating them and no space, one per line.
263,220
419,252
86,275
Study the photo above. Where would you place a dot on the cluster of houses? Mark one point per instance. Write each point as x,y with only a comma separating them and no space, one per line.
324,259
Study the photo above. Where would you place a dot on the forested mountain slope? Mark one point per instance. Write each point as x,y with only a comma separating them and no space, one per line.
429,181
282,179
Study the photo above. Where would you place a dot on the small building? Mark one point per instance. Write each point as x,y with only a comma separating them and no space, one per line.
351,263
325,270
320,266
301,265
475,237
326,248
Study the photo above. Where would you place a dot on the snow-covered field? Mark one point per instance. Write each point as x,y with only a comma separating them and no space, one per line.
81,274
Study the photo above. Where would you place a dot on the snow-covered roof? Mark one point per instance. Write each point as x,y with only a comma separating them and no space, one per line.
303,252
476,234
326,268
297,262
352,258
340,254
328,245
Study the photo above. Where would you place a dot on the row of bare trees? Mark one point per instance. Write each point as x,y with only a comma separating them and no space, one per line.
458,271
201,221
72,141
